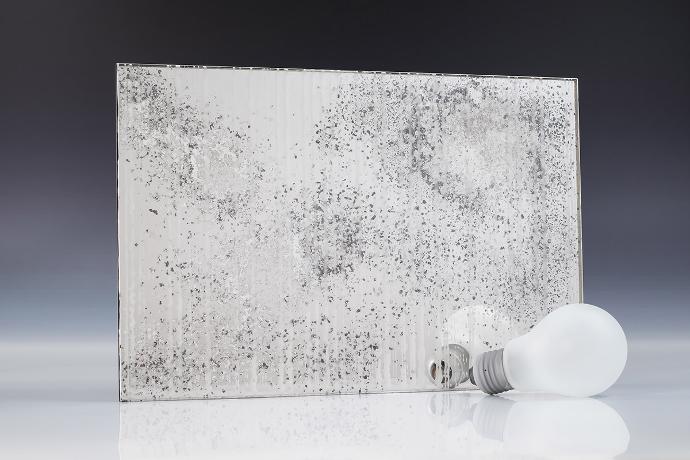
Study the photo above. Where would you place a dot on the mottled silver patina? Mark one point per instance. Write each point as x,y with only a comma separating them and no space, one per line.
286,232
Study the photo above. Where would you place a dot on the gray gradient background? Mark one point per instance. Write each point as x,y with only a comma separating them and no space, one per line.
57,130
58,293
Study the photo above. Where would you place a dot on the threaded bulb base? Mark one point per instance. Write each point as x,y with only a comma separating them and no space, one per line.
488,373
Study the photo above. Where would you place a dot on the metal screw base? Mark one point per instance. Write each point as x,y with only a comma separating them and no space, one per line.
488,373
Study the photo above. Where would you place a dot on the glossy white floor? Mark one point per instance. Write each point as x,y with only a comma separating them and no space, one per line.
59,401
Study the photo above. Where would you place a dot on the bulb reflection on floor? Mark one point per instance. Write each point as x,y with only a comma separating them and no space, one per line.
538,425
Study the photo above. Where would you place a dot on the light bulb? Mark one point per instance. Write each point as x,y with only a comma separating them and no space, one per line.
576,350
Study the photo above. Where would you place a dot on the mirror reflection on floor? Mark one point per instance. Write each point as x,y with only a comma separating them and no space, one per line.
399,426
58,401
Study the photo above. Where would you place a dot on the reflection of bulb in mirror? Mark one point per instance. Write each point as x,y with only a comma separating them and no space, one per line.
467,335
468,327
577,350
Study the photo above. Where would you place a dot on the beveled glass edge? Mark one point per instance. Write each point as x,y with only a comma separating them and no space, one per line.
299,395
375,72
120,396
578,173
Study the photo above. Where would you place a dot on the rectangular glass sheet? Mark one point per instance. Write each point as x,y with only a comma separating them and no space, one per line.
289,232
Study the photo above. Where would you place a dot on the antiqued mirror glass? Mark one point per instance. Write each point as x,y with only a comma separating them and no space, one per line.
288,232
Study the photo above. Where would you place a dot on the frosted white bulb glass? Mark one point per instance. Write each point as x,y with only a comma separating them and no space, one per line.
576,350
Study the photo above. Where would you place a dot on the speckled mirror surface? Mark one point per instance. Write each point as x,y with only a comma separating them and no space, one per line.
288,232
